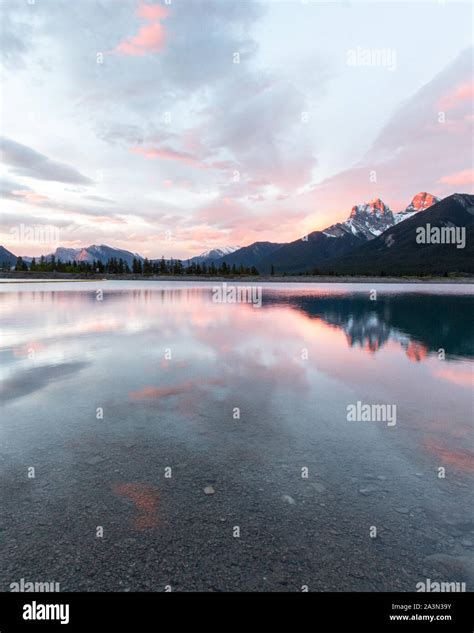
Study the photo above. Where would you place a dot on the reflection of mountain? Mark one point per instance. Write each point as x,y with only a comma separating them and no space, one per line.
367,331
421,323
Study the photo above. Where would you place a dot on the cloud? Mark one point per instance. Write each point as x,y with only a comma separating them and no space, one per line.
15,34
152,11
28,162
30,196
256,120
461,93
166,153
151,37
464,177
179,129
8,186
11,190
413,151
99,199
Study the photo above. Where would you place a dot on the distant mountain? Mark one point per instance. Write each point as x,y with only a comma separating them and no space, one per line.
7,258
412,247
366,222
373,240
306,253
92,253
212,255
250,255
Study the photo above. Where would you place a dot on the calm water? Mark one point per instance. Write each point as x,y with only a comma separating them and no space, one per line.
117,501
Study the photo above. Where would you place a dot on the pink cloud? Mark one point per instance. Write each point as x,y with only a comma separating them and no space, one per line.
152,11
166,153
178,184
464,177
151,37
30,196
401,154
462,92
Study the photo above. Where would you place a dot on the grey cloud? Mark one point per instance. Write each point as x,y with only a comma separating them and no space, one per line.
254,124
415,119
14,34
413,148
258,121
8,186
99,199
26,161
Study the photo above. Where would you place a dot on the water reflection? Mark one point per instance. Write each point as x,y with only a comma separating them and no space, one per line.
168,367
203,350
421,323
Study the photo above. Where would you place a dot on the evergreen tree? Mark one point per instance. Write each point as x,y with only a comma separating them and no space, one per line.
20,264
163,266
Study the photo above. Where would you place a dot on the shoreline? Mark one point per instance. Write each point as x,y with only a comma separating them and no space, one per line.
37,277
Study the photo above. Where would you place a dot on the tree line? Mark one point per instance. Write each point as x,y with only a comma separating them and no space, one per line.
139,267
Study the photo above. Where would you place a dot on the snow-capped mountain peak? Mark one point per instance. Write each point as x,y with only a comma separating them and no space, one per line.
366,220
375,207
421,201
371,219
219,252
213,253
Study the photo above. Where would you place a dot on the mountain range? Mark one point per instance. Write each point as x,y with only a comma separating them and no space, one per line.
213,254
372,240
400,251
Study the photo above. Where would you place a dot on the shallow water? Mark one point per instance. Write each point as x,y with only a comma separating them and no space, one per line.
172,371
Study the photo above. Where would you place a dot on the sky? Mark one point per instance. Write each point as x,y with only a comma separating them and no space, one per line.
168,128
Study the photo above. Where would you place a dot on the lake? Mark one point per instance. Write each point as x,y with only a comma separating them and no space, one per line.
165,436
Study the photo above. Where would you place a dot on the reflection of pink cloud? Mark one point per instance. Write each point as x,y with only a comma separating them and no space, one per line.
145,499
162,392
464,177
25,350
461,377
154,393
459,458
168,364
